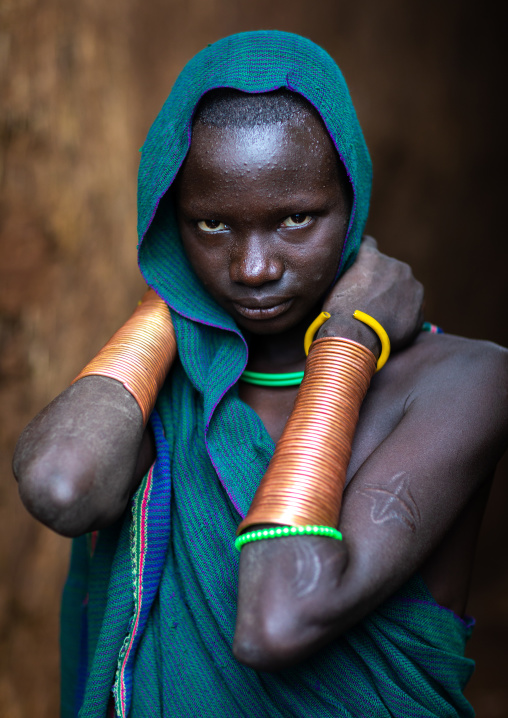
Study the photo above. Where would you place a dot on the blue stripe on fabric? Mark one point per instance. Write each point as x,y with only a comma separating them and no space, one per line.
157,525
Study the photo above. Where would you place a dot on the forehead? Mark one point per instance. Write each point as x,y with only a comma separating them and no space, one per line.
281,157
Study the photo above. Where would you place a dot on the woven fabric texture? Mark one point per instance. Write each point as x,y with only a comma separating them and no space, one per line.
148,616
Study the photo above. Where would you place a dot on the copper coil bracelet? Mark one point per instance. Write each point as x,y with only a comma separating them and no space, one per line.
139,355
305,479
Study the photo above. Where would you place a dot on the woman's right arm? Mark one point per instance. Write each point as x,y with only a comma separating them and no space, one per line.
79,460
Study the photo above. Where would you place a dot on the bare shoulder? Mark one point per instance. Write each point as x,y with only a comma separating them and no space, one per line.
440,380
435,362
456,383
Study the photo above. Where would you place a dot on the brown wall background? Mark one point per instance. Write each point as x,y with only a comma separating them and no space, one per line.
81,81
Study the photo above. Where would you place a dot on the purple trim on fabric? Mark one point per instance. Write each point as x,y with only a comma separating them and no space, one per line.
234,501
139,597
202,321
157,204
467,621
231,496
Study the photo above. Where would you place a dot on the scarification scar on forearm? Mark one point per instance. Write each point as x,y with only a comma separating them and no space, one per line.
393,501
308,569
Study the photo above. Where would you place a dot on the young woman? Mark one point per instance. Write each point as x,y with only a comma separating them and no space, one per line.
254,188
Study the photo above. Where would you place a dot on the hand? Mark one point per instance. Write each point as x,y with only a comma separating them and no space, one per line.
382,287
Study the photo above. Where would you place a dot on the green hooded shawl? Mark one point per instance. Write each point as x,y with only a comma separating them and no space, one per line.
149,607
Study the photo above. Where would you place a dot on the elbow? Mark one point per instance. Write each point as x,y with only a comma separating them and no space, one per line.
278,641
271,647
53,503
289,600
55,492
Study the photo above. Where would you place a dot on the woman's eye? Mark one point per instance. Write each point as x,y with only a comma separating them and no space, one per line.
211,225
297,220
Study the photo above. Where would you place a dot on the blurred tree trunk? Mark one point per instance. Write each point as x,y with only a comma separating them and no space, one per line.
67,173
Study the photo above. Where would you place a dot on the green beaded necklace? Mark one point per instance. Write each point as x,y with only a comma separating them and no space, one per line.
292,378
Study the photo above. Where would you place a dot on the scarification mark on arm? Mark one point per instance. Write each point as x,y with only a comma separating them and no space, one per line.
408,402
308,568
393,501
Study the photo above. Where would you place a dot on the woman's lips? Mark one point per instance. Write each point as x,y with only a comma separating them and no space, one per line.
258,312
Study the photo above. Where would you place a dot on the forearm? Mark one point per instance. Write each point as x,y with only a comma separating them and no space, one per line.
79,460
296,594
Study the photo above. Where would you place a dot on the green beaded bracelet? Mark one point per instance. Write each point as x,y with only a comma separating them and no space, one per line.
282,531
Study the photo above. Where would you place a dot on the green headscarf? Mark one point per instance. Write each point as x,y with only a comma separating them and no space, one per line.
252,62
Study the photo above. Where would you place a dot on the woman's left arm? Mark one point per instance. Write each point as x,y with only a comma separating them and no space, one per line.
298,593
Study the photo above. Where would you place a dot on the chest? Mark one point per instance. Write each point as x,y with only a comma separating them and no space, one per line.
272,405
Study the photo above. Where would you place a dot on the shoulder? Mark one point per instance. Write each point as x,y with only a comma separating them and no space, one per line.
435,359
442,389
453,381
444,378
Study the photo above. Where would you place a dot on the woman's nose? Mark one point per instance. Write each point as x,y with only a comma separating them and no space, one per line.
254,262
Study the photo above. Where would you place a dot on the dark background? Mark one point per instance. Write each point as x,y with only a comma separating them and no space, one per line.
81,81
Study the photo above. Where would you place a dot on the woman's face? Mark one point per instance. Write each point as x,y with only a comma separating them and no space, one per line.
263,218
